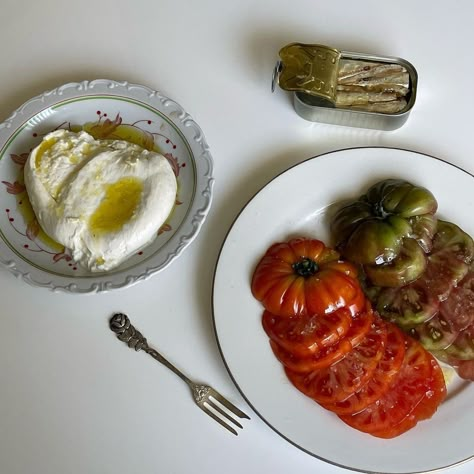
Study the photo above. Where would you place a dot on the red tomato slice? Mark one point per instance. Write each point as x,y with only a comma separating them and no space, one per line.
387,368
433,397
340,380
406,391
304,336
360,326
303,365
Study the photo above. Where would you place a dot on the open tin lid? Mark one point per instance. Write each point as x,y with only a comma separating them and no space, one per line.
308,68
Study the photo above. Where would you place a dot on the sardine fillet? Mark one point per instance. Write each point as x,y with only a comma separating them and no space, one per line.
392,107
363,98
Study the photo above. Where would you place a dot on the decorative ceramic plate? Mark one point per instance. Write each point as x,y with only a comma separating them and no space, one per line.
110,110
298,203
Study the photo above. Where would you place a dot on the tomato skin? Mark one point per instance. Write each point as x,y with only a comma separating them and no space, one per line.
304,277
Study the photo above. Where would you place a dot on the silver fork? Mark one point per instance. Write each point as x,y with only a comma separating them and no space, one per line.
206,398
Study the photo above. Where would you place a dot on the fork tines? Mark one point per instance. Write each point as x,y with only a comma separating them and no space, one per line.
223,411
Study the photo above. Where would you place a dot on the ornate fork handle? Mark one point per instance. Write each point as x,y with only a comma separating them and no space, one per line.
126,332
208,399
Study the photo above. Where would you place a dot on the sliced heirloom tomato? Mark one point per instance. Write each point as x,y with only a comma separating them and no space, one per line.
387,230
304,277
306,335
425,409
387,368
407,306
340,380
417,302
448,263
359,327
451,238
406,391
458,308
436,334
408,266
463,346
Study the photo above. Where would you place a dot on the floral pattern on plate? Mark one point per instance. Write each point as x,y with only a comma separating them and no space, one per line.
132,113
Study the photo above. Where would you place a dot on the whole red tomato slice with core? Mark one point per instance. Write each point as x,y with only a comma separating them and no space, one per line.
360,326
387,368
340,380
305,336
426,408
304,277
336,382
406,391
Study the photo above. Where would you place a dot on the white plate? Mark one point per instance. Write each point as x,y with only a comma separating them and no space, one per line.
114,110
296,203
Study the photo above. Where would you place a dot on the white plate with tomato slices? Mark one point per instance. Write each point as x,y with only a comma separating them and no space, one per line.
299,203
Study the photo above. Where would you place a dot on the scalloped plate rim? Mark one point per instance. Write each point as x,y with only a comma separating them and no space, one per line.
189,227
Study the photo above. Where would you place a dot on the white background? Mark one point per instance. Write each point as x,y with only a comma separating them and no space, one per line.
72,398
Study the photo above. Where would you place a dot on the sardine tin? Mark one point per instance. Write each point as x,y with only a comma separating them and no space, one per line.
310,73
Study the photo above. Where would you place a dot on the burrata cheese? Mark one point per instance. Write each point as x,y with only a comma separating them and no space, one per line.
102,199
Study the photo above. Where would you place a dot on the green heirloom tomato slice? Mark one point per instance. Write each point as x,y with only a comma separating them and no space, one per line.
408,266
436,334
449,260
407,306
463,346
423,230
451,238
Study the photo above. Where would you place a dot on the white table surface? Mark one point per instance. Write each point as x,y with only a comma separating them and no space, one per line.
74,400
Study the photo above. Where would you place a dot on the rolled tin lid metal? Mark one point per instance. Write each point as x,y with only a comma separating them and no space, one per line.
308,68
